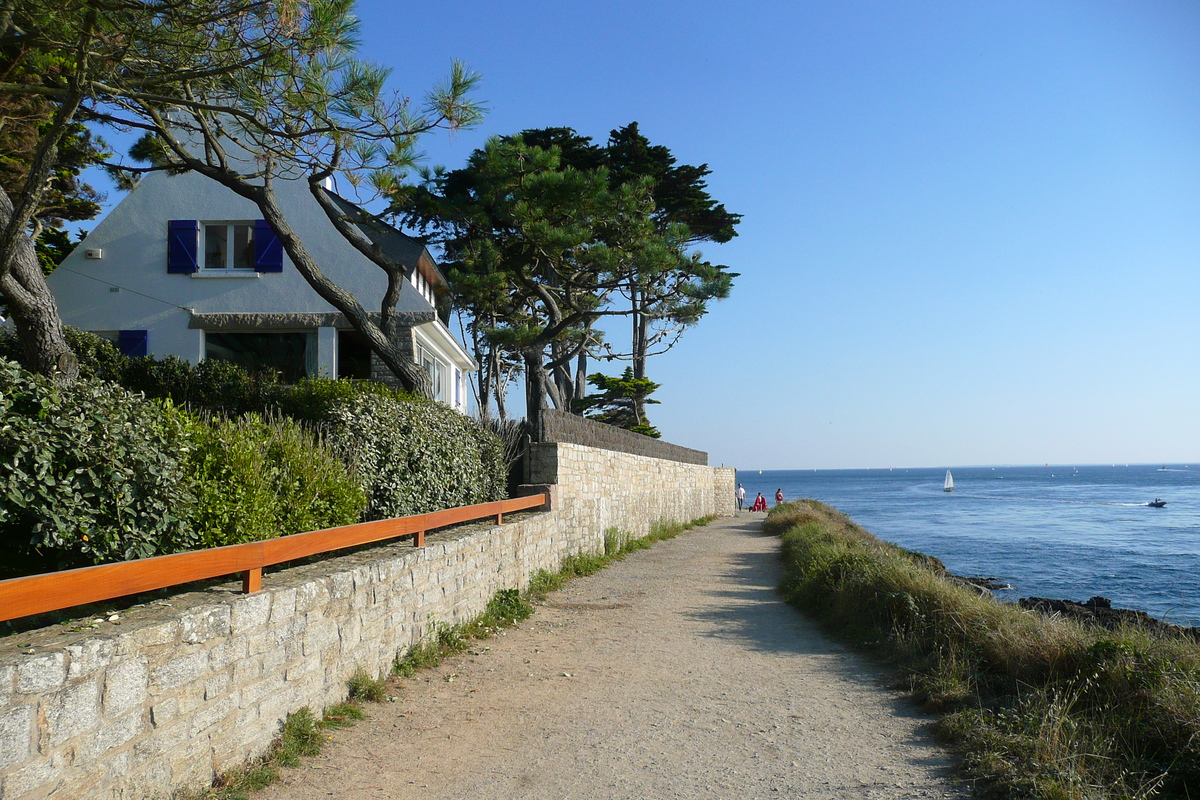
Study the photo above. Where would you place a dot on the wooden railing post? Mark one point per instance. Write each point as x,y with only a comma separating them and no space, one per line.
251,580
500,518
419,539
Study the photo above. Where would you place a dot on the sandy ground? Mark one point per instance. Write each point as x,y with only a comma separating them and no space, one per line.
676,673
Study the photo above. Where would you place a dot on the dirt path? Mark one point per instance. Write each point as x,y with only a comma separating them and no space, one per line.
676,673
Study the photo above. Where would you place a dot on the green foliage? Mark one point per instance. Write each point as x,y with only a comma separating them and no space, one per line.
258,479
325,448
362,686
212,385
98,358
506,608
88,473
1038,708
301,736
537,249
415,457
620,401
343,715
52,246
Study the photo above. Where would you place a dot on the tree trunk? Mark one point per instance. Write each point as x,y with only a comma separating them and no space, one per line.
33,311
562,379
411,375
641,331
535,390
581,376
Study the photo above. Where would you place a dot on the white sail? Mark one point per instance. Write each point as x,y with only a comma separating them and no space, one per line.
948,486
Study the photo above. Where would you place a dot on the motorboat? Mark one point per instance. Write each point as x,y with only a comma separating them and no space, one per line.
1158,503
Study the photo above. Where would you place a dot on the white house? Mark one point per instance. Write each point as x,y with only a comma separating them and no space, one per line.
185,267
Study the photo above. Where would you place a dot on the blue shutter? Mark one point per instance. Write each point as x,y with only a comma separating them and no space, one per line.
183,243
134,343
268,250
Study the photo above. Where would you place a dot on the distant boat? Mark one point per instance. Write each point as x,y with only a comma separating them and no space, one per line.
1158,503
948,486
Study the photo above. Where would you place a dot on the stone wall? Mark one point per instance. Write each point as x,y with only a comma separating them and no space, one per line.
174,692
558,426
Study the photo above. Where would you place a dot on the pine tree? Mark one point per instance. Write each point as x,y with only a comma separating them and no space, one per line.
621,402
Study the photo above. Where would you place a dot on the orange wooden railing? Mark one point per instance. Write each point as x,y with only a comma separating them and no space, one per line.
21,597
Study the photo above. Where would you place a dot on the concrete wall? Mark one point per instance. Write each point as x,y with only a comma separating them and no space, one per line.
174,692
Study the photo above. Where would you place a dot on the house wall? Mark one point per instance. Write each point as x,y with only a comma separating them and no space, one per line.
177,691
129,288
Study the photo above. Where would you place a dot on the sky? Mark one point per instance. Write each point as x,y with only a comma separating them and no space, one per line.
971,231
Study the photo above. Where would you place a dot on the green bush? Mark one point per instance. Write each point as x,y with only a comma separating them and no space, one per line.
250,480
88,473
416,456
98,357
221,387
1037,707
257,479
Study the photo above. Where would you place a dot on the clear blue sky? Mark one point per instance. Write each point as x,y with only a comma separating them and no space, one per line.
972,230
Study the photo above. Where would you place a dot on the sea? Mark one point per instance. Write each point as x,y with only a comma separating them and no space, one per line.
1063,532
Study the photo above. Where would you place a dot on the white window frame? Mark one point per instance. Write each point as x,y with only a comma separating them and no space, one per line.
229,268
423,287
438,371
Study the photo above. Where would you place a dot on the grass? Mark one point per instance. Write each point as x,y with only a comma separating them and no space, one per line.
1036,707
302,735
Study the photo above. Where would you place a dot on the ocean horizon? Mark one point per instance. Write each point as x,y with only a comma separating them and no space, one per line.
1063,531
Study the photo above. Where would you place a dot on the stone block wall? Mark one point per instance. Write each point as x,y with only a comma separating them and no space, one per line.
564,428
176,691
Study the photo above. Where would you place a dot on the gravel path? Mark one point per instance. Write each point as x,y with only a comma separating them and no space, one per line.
676,673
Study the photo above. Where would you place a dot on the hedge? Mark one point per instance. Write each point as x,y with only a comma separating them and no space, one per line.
257,479
89,473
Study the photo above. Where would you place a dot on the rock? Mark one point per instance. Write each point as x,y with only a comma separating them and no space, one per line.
1098,611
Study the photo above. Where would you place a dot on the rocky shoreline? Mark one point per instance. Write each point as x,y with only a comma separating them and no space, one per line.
1098,611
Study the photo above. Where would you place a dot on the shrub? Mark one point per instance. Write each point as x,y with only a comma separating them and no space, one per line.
98,357
416,456
257,479
221,387
1038,707
88,473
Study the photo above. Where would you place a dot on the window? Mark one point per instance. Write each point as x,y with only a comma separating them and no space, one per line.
292,355
134,343
233,248
229,245
437,372
354,355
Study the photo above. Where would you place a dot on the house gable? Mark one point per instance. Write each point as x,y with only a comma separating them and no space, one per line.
151,275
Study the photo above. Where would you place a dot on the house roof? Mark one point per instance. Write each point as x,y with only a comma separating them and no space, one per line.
398,246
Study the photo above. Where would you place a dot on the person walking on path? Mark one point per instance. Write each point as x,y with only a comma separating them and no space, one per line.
677,672
778,496
760,503
740,494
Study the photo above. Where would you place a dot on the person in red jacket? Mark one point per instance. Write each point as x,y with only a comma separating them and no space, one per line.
778,496
760,503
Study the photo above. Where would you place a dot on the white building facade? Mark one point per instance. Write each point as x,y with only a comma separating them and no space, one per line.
185,267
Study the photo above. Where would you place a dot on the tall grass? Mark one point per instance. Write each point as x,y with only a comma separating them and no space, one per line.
1036,707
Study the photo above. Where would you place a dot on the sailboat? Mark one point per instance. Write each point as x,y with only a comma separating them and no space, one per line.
948,486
